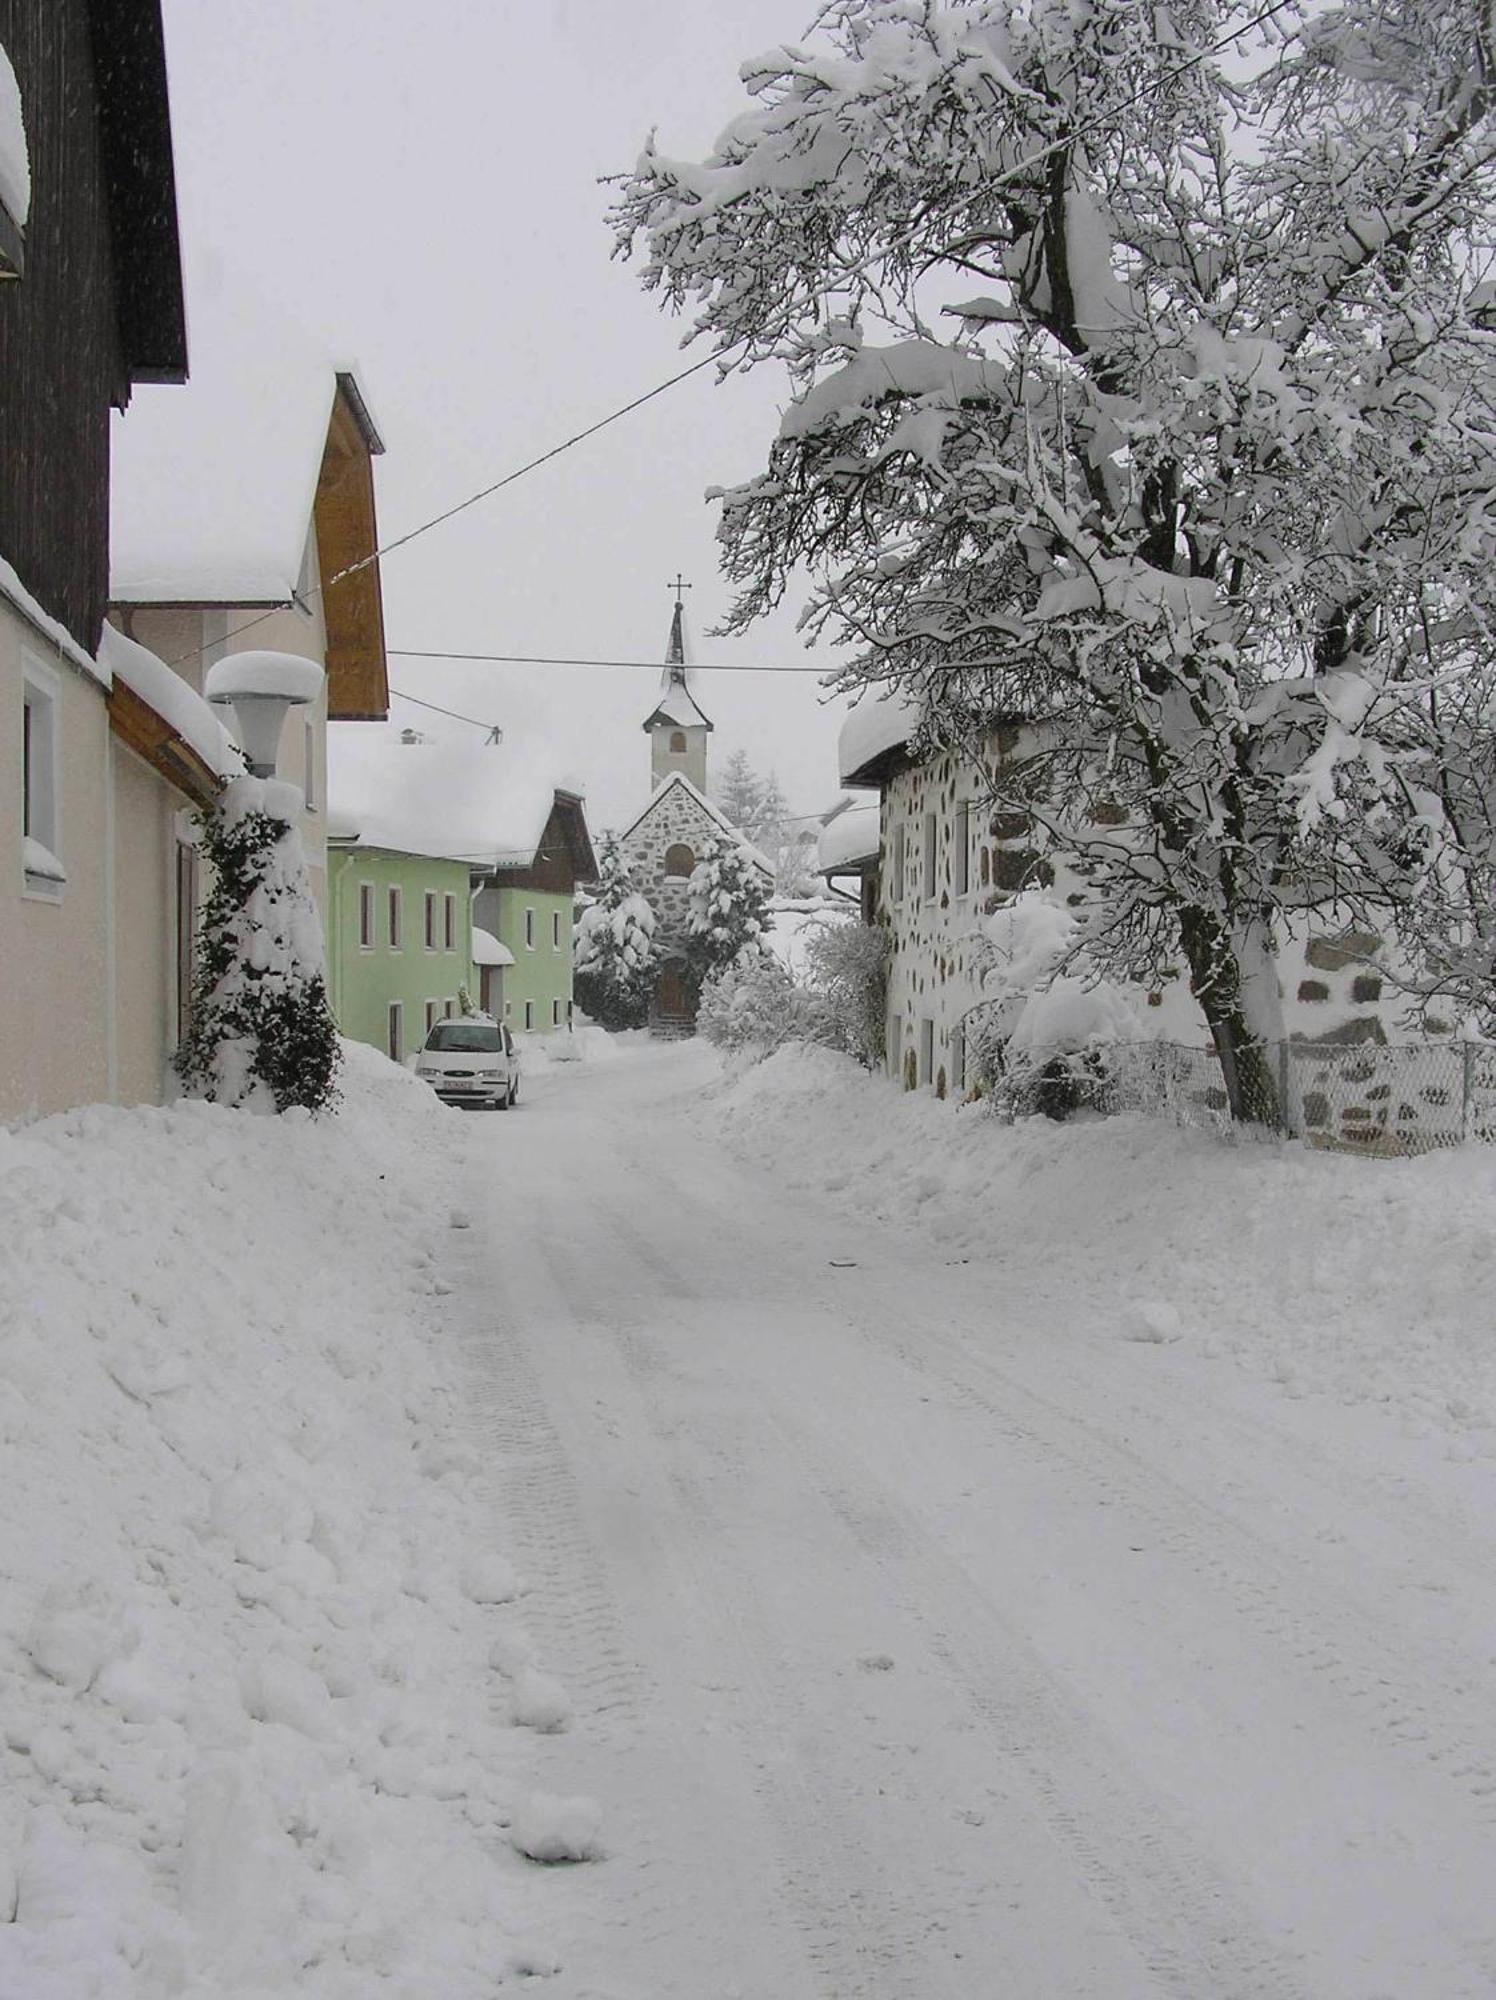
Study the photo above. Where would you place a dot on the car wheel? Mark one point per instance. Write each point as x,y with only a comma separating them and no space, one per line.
501,1103
514,1092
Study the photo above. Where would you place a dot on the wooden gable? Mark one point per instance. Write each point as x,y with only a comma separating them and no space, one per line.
358,688
564,857
151,736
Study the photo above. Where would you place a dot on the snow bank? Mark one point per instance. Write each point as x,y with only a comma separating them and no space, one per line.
1366,1282
252,1743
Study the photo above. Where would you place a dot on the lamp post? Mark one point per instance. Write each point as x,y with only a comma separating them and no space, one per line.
261,688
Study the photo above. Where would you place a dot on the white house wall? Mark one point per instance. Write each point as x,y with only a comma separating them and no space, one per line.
54,1042
191,640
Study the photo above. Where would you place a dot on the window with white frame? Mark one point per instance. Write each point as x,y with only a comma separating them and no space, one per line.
366,916
395,1032
961,850
433,1014
896,876
529,1013
397,918
449,1008
932,848
555,1013
555,930
449,921
431,920
529,934
958,1061
41,838
927,1051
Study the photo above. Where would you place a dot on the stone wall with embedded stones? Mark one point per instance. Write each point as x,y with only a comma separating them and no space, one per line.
673,818
1330,993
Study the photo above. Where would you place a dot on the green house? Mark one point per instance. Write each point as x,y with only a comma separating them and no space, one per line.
524,902
453,866
399,941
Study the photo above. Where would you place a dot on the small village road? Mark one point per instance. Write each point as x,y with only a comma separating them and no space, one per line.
921,1645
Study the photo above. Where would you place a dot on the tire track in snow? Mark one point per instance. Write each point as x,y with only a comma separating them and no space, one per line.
1159,1892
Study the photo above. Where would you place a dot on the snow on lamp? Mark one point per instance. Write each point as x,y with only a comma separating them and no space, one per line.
260,688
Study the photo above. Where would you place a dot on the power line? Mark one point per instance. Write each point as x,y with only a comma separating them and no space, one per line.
436,708
554,660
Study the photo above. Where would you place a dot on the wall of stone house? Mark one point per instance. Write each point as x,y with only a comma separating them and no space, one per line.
1330,994
676,819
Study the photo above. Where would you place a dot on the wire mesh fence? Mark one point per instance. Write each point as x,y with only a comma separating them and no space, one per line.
1385,1100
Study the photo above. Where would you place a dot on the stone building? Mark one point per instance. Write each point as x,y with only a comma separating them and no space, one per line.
664,843
945,860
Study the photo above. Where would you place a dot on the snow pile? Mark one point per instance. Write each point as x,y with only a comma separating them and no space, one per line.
1367,1282
252,1740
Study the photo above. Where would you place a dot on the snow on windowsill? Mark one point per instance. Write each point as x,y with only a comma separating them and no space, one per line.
46,878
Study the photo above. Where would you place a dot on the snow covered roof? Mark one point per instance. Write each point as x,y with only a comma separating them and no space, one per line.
213,484
177,704
714,813
876,728
12,588
849,841
487,949
486,803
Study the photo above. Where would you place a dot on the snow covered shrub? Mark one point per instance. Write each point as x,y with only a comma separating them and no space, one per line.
756,1004
848,966
262,1033
728,908
615,951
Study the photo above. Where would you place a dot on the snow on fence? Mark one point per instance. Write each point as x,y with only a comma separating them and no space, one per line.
1387,1101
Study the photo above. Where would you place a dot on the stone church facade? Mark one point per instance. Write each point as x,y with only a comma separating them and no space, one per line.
663,845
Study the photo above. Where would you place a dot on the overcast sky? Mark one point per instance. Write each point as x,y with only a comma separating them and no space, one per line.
419,185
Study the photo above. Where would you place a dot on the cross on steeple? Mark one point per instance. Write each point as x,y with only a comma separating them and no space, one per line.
678,586
675,653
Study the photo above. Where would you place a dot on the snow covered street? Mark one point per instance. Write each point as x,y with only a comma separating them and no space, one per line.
926,1632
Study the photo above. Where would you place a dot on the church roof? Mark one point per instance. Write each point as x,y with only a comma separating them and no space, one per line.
677,705
718,818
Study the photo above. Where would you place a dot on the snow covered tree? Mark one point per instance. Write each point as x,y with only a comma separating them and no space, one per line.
614,953
1200,480
262,1033
739,792
727,911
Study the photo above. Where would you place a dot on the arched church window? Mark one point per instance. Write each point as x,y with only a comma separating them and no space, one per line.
679,860
677,742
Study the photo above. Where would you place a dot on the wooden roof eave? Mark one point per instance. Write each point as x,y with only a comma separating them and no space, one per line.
152,738
358,688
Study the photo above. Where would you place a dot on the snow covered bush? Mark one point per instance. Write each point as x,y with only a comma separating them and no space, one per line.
615,951
261,1033
755,1004
1175,440
728,908
848,967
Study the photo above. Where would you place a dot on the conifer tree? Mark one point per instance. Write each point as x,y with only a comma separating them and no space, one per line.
614,952
262,1034
727,912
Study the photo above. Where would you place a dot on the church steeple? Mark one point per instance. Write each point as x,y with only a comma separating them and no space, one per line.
676,727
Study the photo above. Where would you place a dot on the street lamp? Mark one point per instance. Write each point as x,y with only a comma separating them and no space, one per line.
260,688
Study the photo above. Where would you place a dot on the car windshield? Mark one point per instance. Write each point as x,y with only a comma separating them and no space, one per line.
473,1038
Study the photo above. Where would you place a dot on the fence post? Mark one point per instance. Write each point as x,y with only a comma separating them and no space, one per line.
1467,1093
1285,1102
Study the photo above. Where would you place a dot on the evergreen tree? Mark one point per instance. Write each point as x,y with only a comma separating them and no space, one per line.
727,911
614,952
262,1033
739,792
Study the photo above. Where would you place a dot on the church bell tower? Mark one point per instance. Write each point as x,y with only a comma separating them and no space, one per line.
676,728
